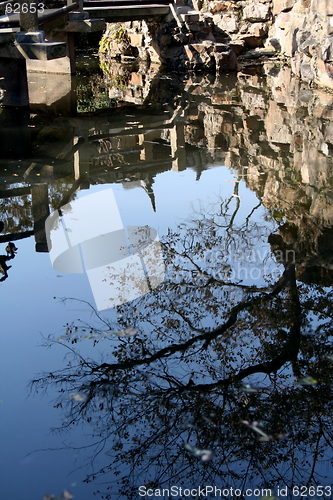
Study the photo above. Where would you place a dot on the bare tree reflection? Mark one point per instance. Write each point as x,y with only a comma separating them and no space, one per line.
218,377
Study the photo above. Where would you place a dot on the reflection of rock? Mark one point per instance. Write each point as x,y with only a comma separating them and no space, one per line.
279,137
310,248
274,131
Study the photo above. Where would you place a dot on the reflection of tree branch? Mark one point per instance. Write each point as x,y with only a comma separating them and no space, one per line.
236,195
289,351
93,309
315,454
251,213
207,336
210,279
184,318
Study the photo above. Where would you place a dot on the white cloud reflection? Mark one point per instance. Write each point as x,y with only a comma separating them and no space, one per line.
88,235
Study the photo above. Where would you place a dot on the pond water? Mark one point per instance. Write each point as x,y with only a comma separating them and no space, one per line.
166,319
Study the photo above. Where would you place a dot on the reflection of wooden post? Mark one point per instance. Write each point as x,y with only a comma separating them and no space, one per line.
81,163
40,212
177,142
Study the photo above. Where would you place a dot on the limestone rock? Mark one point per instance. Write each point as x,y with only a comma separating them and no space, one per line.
255,12
226,22
225,6
282,5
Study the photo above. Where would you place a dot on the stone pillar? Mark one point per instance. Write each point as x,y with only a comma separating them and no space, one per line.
62,65
52,93
40,212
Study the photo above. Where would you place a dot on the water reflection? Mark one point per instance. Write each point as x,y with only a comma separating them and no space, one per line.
208,380
121,263
221,375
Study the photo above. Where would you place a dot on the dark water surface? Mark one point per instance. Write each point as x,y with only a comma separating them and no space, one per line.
168,332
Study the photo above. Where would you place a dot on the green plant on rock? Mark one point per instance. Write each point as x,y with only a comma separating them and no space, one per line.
114,34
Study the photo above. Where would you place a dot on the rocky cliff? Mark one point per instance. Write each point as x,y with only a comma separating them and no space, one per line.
224,35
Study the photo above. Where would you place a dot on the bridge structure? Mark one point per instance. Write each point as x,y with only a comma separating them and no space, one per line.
36,38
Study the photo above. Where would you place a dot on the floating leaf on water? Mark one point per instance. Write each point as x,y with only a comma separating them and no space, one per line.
77,396
90,336
209,421
281,436
265,439
254,426
205,455
67,495
188,425
248,388
330,357
307,381
127,332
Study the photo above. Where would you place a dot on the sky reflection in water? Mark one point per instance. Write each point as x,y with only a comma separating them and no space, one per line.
221,375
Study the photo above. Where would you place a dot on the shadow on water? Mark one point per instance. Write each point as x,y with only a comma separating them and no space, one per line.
217,380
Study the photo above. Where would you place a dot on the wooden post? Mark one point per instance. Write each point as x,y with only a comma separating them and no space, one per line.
29,19
80,2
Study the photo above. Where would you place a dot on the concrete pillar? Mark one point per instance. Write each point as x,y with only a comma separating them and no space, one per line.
62,65
40,212
13,82
53,94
